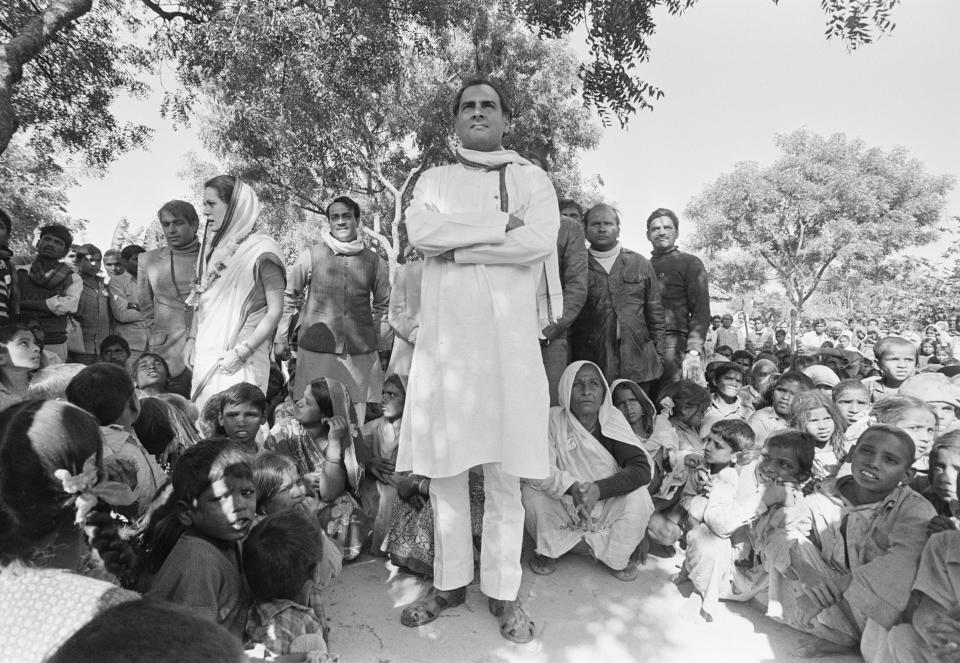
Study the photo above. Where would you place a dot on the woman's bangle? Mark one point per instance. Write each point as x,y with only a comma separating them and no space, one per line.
336,460
420,487
245,355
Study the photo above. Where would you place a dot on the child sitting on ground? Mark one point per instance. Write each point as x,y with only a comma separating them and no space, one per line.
897,359
380,440
107,392
852,399
913,416
19,357
754,394
941,488
937,391
242,413
676,431
279,559
729,444
723,559
814,413
280,488
774,418
192,541
726,382
854,546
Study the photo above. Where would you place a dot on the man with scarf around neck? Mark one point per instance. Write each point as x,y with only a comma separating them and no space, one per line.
9,291
478,392
49,289
685,294
164,278
620,328
344,312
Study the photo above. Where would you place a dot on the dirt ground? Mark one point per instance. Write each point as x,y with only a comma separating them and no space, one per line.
582,614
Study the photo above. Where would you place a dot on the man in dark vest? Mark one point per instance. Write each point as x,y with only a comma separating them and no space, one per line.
345,311
49,289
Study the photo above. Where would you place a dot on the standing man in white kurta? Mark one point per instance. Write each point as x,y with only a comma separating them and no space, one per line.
478,391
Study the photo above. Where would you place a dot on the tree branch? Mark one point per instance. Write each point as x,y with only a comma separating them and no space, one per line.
170,15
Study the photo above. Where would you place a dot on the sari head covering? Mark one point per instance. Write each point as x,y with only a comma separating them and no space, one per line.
613,424
227,275
342,406
649,409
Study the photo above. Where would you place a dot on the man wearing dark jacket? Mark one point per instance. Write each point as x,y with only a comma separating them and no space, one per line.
685,295
572,252
620,327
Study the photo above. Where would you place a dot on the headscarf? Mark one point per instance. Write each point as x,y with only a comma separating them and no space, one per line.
613,424
931,388
649,408
343,407
242,213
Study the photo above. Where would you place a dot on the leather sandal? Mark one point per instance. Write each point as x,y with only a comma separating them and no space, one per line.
427,609
543,565
515,623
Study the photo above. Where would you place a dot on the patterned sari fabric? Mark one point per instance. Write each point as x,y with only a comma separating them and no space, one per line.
342,517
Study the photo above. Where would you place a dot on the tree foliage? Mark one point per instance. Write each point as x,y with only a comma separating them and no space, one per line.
305,122
63,62
33,191
825,203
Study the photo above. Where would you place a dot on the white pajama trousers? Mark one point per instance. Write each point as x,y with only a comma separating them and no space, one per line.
500,570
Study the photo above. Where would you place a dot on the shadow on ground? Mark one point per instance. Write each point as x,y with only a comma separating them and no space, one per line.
582,613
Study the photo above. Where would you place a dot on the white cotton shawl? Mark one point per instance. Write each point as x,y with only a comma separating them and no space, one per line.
549,287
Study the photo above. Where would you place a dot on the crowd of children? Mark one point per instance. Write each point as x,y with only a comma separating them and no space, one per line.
823,490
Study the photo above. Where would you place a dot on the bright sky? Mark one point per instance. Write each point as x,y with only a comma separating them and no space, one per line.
735,73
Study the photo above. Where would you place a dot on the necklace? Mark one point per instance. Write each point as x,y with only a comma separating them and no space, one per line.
212,274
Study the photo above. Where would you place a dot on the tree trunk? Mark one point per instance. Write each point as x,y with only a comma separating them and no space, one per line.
24,47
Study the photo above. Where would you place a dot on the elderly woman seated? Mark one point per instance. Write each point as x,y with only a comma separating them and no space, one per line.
595,500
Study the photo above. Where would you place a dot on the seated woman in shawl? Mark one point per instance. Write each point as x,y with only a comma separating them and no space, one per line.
237,294
379,456
595,499
322,441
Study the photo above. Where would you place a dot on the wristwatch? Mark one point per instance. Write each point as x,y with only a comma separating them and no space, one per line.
695,353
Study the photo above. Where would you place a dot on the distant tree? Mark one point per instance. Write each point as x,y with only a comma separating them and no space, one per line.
826,203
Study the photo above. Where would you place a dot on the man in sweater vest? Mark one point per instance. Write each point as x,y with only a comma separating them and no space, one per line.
49,289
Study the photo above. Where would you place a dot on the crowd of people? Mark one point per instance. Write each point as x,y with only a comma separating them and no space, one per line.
194,444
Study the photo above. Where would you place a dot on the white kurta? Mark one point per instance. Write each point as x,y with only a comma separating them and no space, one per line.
478,391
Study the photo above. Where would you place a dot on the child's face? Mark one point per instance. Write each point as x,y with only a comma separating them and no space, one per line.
149,372
22,351
716,451
726,352
625,401
225,510
946,415
291,494
745,363
308,412
115,354
943,353
392,400
783,395
727,321
898,364
728,384
851,403
921,425
762,374
944,471
880,463
241,421
779,464
820,425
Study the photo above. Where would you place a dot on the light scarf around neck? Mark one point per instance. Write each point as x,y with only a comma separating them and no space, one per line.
339,247
549,286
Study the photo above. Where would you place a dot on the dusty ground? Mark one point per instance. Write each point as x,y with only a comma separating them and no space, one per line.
582,614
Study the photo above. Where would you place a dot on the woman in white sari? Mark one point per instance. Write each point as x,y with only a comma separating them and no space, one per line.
238,293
